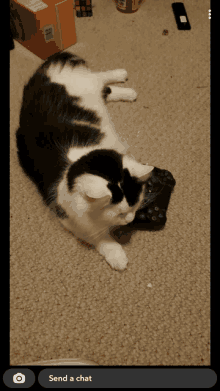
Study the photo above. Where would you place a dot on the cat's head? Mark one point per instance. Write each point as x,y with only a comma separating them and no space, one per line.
109,186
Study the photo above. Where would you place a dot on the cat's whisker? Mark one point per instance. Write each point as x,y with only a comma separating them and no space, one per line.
144,203
96,235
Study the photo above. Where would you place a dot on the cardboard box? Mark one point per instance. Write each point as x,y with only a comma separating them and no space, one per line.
44,27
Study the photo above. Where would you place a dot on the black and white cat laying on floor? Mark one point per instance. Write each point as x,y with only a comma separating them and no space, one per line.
68,147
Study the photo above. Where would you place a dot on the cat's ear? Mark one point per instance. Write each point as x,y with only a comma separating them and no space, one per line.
94,188
141,171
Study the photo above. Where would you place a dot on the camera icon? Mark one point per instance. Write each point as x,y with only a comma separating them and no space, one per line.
19,378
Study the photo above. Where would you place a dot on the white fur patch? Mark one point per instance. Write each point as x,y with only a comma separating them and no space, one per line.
87,85
93,186
130,217
73,205
139,170
80,82
76,153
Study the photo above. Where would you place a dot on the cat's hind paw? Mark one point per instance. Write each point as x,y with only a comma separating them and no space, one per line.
131,95
121,93
121,75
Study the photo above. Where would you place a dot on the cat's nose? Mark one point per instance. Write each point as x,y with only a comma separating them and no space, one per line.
129,217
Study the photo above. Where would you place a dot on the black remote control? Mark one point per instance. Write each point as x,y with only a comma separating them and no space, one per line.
181,17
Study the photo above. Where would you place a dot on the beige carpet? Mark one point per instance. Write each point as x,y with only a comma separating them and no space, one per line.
65,300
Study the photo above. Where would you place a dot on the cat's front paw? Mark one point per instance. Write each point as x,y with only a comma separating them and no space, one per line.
115,256
117,260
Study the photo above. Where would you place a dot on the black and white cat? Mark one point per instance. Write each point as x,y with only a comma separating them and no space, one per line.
68,147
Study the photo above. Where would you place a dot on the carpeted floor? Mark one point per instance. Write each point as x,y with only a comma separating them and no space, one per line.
65,300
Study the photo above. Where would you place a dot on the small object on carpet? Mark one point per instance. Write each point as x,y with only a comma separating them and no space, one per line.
83,8
181,17
165,32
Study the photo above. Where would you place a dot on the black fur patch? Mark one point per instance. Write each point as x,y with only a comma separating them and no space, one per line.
63,59
47,130
60,212
105,92
108,165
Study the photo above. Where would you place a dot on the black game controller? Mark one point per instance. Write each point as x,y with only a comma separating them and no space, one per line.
152,216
